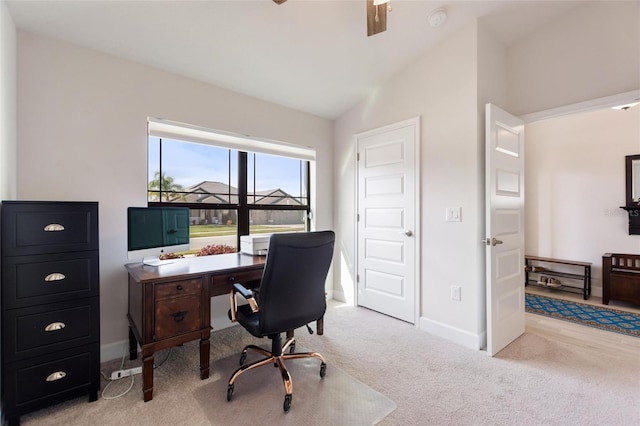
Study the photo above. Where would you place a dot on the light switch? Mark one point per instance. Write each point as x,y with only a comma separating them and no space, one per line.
454,214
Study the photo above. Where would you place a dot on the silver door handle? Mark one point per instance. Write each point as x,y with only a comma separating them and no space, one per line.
408,233
492,242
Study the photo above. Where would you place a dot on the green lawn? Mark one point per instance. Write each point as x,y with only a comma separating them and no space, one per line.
196,231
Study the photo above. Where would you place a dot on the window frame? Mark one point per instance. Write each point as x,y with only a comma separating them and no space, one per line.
243,207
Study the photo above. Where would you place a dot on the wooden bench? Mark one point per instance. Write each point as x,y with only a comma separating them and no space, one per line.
621,278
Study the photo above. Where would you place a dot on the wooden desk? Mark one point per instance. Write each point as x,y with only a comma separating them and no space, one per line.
169,305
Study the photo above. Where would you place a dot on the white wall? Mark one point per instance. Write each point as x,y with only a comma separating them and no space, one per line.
575,183
441,89
82,136
575,164
7,105
591,53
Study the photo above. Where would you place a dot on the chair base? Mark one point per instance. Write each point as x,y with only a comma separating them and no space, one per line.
277,359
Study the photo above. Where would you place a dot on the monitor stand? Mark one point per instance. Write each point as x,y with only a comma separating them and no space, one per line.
155,261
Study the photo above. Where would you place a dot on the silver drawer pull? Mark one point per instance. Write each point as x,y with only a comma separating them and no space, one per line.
54,276
56,376
54,326
54,227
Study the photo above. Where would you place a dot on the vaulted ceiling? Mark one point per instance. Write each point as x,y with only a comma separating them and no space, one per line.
312,56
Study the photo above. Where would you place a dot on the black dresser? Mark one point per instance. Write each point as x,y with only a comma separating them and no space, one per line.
50,304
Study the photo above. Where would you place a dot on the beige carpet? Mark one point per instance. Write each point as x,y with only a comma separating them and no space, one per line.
537,380
338,399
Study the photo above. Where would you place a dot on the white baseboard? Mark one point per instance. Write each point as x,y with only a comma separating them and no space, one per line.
339,296
114,350
461,337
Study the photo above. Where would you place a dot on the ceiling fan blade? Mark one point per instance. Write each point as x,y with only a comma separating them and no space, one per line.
279,1
376,26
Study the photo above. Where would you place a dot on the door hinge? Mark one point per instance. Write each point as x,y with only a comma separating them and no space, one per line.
357,278
358,217
358,156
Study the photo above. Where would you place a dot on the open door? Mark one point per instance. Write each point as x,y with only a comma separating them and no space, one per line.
504,241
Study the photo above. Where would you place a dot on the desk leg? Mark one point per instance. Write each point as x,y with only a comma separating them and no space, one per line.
147,375
133,345
205,348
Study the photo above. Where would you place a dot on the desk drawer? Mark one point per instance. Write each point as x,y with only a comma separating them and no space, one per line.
177,316
223,284
178,288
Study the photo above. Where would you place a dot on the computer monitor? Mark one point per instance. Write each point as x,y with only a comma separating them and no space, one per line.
154,231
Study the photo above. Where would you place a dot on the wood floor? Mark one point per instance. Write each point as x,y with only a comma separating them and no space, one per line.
580,335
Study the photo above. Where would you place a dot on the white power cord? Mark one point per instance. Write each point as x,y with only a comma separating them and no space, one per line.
124,353
111,381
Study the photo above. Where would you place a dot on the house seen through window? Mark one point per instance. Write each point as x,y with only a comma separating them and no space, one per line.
229,192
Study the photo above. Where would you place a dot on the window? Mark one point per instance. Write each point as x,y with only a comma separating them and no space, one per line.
230,192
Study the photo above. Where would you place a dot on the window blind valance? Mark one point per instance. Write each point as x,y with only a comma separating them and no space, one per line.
189,133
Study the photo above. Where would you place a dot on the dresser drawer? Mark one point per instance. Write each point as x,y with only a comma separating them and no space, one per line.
33,280
178,288
37,330
41,381
223,284
43,227
177,315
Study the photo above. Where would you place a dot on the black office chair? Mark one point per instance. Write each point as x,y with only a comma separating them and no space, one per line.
291,295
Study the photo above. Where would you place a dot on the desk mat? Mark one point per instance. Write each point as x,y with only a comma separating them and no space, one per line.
338,399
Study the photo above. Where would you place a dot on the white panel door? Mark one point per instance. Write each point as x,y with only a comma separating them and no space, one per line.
386,234
504,228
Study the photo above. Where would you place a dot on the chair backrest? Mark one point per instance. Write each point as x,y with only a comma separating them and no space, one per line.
292,290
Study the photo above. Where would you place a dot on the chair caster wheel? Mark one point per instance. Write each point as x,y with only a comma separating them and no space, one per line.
323,369
292,348
229,392
287,402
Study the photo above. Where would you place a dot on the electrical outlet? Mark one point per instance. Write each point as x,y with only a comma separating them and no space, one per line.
119,374
456,293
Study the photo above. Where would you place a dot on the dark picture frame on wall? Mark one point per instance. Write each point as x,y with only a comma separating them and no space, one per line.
632,163
632,202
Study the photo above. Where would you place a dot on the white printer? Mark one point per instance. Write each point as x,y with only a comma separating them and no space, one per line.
255,245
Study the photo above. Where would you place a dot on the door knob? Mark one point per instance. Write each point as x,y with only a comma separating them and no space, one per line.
408,233
493,241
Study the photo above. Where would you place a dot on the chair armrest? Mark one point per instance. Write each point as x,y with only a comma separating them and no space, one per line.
246,294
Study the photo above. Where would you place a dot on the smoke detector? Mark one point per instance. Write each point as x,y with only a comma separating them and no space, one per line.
437,17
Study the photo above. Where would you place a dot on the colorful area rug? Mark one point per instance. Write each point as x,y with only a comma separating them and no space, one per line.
580,313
